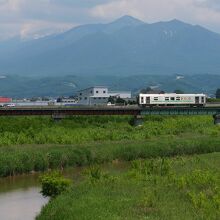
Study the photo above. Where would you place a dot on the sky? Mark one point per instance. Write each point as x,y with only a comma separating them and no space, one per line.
37,18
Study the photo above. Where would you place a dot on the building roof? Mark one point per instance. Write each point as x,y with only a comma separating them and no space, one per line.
99,96
93,87
172,94
120,92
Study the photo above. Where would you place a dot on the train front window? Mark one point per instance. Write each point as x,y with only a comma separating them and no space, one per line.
203,100
142,99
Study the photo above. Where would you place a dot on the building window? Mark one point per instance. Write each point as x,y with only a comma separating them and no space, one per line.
99,97
94,98
80,93
172,98
91,92
85,98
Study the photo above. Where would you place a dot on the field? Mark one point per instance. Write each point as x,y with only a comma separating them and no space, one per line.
78,130
38,143
162,188
173,164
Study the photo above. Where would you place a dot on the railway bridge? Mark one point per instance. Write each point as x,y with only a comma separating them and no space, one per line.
61,112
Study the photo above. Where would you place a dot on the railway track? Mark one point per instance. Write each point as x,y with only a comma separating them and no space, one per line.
71,111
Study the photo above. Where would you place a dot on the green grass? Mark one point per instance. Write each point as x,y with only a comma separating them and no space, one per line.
23,159
43,130
175,188
38,144
213,100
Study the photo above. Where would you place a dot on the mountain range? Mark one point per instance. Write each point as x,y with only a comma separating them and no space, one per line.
29,86
125,47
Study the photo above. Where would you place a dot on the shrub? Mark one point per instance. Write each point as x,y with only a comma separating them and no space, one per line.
53,184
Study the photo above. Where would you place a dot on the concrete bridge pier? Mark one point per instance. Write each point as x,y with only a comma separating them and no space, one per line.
58,117
138,120
216,119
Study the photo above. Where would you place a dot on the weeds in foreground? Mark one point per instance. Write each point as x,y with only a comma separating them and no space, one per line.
200,187
82,129
160,188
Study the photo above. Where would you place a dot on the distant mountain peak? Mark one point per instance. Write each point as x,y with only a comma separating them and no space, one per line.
121,23
178,22
128,20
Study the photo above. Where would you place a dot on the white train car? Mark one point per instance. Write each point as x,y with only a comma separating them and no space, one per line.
172,99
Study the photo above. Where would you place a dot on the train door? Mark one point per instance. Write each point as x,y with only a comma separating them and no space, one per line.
197,100
148,100
203,100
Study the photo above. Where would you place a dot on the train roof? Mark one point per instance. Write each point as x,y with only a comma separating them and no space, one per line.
173,94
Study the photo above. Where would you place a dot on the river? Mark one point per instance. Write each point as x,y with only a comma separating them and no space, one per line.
20,197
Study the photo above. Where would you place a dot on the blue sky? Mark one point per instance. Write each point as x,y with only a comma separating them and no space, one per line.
36,18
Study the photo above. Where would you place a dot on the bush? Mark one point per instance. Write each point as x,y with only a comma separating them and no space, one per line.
53,184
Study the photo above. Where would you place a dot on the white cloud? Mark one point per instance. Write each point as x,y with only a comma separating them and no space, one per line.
202,12
38,29
34,17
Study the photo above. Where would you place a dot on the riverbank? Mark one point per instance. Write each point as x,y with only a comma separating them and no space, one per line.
175,188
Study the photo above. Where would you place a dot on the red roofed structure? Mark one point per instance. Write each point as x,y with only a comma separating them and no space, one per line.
5,99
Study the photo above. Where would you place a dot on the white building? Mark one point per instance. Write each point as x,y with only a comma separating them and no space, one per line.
99,95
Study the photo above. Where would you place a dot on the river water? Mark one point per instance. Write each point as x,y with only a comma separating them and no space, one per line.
20,197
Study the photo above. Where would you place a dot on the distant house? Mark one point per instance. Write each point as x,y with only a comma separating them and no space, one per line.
67,100
99,95
5,100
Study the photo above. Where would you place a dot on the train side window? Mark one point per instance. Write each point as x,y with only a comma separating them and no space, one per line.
177,98
155,98
172,98
167,98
